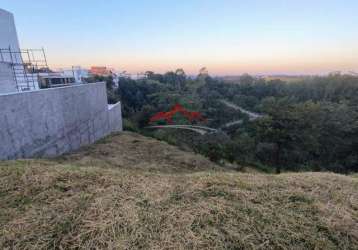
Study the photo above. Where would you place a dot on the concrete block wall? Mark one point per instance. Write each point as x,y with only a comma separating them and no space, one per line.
55,121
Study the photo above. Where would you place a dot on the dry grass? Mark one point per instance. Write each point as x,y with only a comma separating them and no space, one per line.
132,151
74,202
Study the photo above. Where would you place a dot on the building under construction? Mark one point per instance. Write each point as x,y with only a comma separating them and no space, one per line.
37,119
24,69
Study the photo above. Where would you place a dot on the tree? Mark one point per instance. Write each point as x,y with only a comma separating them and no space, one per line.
180,78
149,74
203,72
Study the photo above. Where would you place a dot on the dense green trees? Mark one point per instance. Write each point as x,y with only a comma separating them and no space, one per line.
311,124
318,135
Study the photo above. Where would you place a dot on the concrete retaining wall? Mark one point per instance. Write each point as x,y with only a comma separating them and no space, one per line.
115,117
54,121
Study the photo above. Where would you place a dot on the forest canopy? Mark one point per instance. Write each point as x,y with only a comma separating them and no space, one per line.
308,124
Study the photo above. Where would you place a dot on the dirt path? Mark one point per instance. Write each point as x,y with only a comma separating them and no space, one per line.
252,116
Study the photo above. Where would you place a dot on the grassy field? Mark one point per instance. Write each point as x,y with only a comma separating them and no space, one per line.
133,192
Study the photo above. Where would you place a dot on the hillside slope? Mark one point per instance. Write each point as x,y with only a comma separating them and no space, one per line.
133,192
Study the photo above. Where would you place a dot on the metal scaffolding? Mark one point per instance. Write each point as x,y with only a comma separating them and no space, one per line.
26,65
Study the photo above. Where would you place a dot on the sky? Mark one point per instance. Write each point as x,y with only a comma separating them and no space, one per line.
229,37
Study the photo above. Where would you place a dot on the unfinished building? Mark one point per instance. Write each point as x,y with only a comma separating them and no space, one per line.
36,122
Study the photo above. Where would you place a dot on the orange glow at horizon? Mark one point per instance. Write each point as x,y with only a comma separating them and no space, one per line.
225,67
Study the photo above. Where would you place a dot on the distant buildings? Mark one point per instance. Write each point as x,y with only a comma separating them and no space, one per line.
77,72
100,71
52,80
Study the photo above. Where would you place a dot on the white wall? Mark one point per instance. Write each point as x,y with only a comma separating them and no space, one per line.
7,82
8,34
